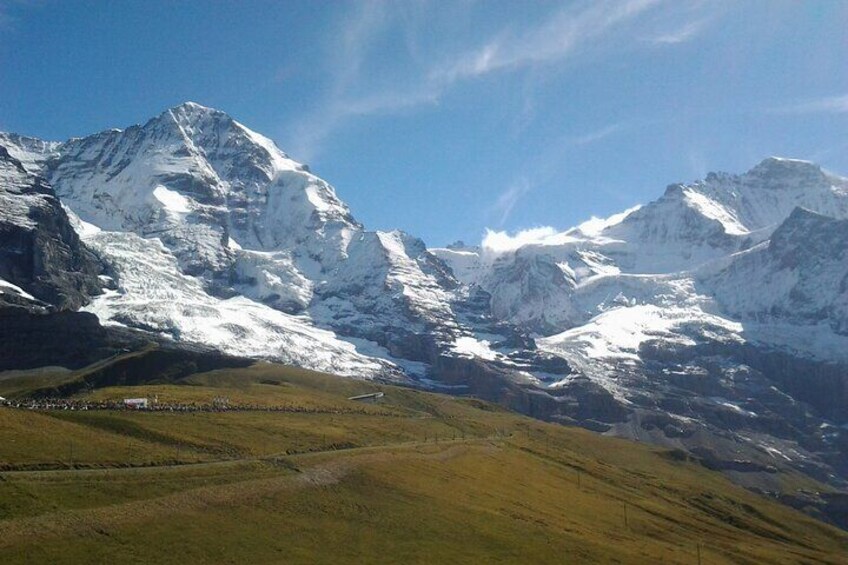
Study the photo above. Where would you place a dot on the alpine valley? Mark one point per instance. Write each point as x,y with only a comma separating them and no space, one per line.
712,321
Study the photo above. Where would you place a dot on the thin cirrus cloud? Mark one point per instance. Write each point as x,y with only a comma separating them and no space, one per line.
543,167
689,31
597,135
506,201
559,38
826,105
313,131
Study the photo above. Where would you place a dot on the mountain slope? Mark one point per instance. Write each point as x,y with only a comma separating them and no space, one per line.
418,476
711,320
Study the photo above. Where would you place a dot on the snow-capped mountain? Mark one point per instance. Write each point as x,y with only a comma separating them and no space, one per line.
194,208
684,230
713,319
719,306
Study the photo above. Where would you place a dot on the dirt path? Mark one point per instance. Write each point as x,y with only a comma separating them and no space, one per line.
38,473
212,498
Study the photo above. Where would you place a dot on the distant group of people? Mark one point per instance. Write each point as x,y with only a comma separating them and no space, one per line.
216,406
61,404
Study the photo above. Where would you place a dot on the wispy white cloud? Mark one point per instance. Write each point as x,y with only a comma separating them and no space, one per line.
542,167
597,135
697,160
826,105
499,242
358,34
687,32
507,200
314,129
347,54
561,36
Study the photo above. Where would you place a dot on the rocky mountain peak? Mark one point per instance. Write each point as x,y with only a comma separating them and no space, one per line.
190,108
30,151
198,123
777,173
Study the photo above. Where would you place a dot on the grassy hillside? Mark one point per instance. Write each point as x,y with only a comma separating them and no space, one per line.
416,477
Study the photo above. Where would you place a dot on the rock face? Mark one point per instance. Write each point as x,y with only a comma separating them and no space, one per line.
714,319
31,339
39,250
801,275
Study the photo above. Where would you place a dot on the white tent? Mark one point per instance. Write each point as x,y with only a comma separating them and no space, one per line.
135,402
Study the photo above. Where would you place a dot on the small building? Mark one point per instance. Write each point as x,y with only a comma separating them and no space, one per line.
136,403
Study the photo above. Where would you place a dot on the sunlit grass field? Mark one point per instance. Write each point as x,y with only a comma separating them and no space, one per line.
415,477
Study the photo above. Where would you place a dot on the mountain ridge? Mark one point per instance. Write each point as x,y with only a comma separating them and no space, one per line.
644,325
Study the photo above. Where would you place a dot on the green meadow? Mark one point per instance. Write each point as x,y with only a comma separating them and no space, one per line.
415,477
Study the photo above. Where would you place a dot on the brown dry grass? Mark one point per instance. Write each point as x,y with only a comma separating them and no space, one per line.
368,483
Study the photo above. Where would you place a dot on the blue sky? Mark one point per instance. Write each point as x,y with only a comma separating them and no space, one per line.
447,118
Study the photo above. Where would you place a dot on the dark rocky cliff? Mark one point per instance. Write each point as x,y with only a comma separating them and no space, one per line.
39,250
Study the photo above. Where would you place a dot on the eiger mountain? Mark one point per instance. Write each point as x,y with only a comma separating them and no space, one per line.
713,319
